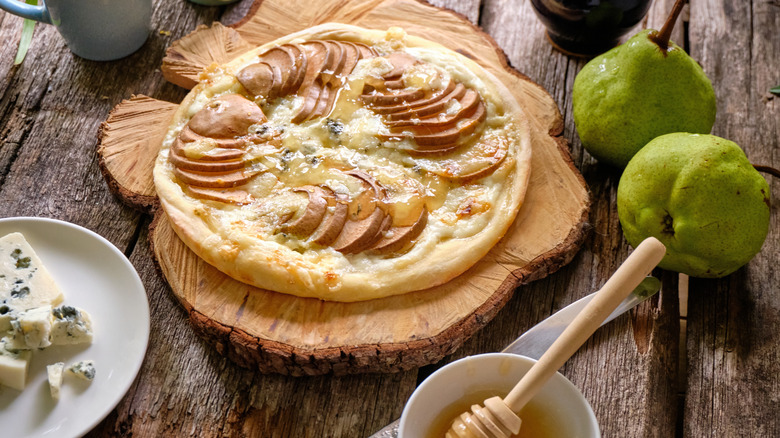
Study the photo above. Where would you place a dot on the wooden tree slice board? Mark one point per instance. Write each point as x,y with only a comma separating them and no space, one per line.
273,332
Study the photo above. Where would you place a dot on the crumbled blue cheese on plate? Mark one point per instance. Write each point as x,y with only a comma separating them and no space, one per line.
31,329
84,369
13,366
54,375
70,325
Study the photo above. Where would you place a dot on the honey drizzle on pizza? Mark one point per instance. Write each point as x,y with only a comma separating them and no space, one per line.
439,121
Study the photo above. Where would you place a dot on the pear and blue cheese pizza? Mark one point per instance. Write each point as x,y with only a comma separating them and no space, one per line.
344,164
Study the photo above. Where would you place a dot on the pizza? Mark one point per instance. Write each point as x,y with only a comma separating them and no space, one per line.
344,164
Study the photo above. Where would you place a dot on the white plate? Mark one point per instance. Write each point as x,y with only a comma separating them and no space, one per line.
98,278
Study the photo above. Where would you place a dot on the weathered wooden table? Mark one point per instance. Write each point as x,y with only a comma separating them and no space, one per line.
701,362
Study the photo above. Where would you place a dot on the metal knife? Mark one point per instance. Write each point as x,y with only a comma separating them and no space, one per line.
538,339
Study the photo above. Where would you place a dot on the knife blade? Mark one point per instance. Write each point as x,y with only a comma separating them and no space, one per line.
534,342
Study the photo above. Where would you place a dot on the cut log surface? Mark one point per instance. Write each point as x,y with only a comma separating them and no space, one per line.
128,144
274,332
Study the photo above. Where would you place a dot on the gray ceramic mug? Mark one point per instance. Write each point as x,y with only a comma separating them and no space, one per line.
99,30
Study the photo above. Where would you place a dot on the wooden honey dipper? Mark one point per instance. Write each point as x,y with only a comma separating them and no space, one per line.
498,418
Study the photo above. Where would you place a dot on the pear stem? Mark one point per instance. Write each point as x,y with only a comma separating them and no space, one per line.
662,38
767,169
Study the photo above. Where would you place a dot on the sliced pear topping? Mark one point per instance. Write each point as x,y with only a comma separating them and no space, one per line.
314,70
206,166
359,235
398,238
209,153
228,196
334,221
314,213
227,116
469,163
215,180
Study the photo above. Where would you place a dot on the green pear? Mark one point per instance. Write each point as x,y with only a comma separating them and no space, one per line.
637,91
701,197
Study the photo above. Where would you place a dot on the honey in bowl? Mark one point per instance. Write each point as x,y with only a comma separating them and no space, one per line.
557,410
539,421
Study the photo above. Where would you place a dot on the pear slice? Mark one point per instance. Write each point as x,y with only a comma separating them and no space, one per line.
468,104
468,163
217,154
334,221
311,95
463,128
279,72
278,82
215,180
282,60
393,98
400,61
187,136
409,110
311,218
367,219
357,236
394,84
319,55
331,71
258,78
299,68
228,196
398,238
365,51
442,138
183,162
351,58
434,107
227,116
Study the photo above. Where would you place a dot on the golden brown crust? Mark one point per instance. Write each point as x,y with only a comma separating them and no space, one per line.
426,200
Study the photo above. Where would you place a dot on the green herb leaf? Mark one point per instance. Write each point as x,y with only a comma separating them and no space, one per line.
775,90
27,32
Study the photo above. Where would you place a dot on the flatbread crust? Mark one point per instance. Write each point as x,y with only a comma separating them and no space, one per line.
255,231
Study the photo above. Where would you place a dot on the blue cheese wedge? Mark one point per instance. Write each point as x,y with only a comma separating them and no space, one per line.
84,369
13,366
54,374
31,329
70,325
24,281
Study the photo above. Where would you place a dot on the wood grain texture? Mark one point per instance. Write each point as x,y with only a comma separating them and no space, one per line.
186,57
274,332
128,142
733,323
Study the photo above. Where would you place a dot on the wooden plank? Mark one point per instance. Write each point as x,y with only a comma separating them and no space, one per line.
733,324
627,370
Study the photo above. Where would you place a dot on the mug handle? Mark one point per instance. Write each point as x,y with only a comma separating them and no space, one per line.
22,9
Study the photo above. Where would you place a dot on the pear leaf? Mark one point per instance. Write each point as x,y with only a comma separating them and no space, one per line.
27,32
775,90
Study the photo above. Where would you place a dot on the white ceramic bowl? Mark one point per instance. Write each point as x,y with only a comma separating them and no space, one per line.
559,408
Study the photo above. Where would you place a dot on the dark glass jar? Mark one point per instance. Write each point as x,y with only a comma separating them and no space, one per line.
588,27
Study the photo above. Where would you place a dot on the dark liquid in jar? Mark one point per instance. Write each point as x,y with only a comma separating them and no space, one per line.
537,422
589,27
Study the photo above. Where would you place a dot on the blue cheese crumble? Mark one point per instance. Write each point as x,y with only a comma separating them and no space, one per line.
84,370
